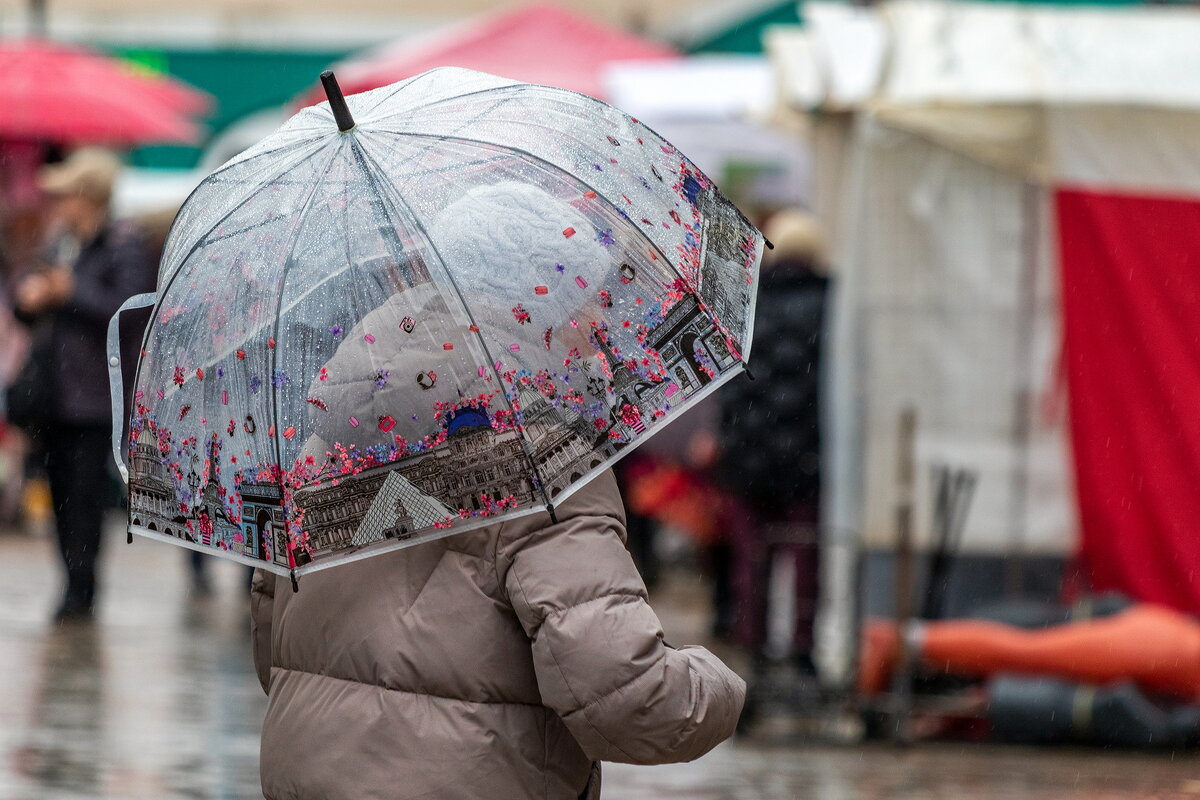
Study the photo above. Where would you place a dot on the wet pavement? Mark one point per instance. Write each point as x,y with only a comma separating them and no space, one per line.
158,699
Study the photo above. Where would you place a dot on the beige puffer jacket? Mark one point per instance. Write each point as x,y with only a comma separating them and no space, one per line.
499,664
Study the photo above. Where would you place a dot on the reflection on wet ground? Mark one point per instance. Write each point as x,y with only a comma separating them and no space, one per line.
158,699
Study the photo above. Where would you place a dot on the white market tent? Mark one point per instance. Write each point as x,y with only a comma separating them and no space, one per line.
942,131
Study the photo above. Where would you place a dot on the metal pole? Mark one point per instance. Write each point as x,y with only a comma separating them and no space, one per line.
1023,354
905,605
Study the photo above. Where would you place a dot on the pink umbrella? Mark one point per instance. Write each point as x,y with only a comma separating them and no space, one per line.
536,43
70,94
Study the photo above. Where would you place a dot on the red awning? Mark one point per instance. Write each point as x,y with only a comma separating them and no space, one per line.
536,43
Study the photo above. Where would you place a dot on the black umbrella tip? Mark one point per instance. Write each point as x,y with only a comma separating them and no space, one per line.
337,101
766,241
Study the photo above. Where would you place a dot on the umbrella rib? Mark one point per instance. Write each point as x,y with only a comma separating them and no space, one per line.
246,157
295,302
695,290
397,204
544,162
522,87
301,213
407,83
431,103
201,241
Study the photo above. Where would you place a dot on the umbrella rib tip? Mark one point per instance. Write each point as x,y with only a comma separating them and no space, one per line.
337,101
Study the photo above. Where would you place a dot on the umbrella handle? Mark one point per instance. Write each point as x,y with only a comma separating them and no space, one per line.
115,386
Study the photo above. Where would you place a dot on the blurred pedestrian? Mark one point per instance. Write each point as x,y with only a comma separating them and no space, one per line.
95,265
769,449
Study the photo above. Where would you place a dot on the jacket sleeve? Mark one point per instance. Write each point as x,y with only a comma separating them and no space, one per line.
262,603
598,647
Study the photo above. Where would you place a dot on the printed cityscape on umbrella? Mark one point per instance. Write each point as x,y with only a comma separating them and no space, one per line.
460,310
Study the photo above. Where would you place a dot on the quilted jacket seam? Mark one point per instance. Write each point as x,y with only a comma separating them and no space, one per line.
623,685
414,692
558,612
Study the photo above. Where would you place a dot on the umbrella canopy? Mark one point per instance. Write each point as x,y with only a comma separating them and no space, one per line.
535,43
71,94
459,310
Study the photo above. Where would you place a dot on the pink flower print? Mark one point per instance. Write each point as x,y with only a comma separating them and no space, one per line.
631,415
520,314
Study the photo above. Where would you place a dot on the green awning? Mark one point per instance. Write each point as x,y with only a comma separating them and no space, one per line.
745,35
241,82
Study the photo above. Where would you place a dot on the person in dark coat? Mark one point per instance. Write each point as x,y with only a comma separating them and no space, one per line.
100,265
770,443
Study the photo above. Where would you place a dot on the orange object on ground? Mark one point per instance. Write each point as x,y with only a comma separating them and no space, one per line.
1154,646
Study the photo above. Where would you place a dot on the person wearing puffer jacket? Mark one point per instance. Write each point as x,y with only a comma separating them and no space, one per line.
499,663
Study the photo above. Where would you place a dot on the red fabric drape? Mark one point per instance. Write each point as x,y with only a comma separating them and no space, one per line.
1131,305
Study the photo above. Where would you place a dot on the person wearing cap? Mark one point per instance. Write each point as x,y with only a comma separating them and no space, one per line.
99,265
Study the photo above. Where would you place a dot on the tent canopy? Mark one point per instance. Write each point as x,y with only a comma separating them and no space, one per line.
1048,74
535,43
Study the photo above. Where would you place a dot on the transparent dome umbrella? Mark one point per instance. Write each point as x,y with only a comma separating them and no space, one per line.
442,303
